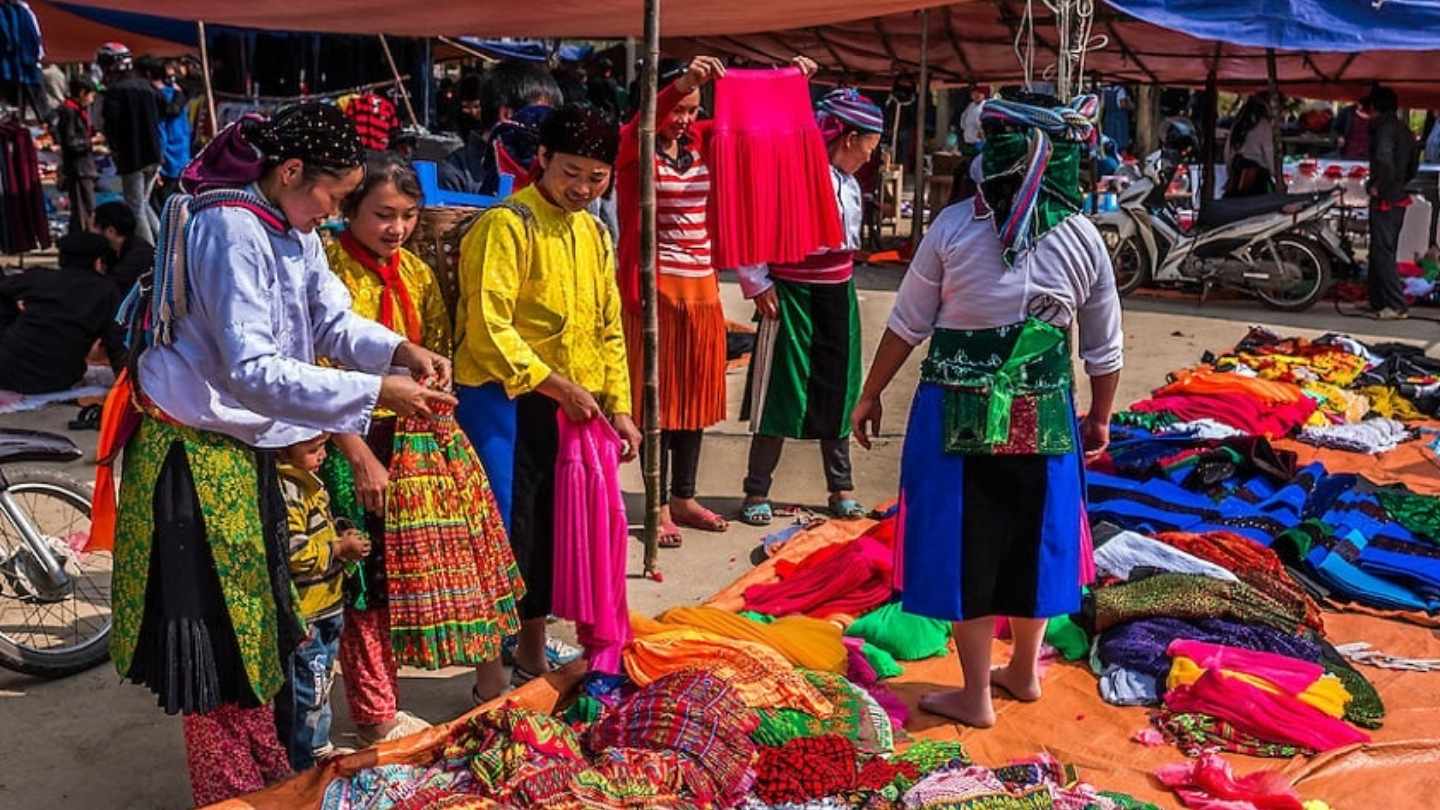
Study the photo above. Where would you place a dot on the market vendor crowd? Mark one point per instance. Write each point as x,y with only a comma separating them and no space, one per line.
322,460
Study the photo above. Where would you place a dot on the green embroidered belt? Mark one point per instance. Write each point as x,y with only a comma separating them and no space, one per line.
1007,390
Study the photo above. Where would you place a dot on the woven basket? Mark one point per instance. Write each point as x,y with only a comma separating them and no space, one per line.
437,241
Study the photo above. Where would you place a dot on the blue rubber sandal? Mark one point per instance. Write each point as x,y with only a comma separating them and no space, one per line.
757,514
846,509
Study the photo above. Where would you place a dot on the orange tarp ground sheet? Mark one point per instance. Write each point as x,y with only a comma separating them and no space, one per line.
1399,770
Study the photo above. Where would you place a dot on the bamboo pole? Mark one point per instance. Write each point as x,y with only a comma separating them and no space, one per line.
922,100
651,330
404,91
1207,151
1278,146
205,74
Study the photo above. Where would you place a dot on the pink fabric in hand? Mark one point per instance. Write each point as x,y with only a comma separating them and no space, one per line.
590,536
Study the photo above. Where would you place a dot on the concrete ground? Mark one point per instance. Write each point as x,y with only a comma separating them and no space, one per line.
89,742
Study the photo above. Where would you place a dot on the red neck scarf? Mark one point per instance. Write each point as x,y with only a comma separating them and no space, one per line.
84,113
389,274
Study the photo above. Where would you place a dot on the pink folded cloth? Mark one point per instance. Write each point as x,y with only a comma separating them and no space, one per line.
1276,718
1288,674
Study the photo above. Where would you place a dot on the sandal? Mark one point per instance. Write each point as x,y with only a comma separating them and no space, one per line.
406,725
519,676
760,513
846,509
707,522
670,536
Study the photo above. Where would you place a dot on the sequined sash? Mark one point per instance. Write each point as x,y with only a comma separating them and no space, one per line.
1007,390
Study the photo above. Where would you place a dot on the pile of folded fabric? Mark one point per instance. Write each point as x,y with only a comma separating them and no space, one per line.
715,734
1212,631
1198,457
1332,392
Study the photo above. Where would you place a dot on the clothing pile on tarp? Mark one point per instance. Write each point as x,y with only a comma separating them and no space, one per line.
1212,630
1198,457
1217,548
694,738
1272,386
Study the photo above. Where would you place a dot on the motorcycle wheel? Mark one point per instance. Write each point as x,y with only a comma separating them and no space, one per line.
53,635
1315,275
1132,266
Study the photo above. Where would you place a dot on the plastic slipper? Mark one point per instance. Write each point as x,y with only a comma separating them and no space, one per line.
707,522
670,536
87,419
846,509
757,514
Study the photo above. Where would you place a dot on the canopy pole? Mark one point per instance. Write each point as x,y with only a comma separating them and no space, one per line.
404,91
205,74
922,100
1210,113
651,328
1278,146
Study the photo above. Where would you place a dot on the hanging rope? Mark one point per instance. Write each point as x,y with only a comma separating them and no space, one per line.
1074,20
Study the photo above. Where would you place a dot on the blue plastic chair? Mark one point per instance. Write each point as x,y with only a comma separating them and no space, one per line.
429,175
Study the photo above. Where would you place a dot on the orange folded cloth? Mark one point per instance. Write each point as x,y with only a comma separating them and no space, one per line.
761,676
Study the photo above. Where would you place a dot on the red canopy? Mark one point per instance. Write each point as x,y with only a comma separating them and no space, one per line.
973,42
72,38
553,18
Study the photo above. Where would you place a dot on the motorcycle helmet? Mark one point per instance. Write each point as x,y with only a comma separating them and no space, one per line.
114,57
1180,137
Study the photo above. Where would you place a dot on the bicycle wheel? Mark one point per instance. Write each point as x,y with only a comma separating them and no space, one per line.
51,634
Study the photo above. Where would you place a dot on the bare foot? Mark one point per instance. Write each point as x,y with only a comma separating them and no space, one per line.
962,707
1025,690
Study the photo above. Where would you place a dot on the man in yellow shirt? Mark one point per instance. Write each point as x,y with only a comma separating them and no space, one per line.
538,330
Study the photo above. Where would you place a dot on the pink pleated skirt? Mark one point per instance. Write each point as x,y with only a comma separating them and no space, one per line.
771,199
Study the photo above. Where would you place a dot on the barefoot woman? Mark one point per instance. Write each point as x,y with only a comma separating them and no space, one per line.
991,481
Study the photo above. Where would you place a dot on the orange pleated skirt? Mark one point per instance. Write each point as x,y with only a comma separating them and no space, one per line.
692,354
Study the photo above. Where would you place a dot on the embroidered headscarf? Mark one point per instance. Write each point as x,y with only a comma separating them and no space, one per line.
844,108
1030,165
583,131
315,133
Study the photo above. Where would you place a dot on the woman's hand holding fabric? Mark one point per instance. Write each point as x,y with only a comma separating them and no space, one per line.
767,304
406,397
424,364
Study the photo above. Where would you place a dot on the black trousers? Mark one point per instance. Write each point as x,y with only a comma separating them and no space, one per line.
679,463
1386,289
765,457
532,510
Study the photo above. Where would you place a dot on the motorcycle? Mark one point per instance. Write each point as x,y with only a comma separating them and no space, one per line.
54,593
1277,247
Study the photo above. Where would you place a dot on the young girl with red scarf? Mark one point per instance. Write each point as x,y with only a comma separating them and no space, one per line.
407,614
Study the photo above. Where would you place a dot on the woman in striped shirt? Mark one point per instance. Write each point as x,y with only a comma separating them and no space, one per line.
692,319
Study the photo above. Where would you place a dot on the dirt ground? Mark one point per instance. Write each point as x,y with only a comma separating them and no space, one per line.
90,742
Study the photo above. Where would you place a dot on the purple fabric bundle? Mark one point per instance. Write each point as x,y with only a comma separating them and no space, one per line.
1142,645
